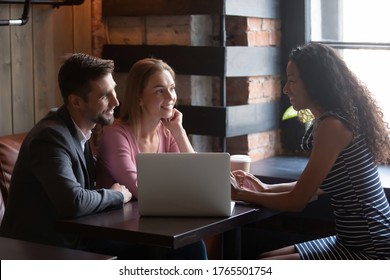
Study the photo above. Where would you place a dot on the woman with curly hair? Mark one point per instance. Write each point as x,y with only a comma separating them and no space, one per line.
347,139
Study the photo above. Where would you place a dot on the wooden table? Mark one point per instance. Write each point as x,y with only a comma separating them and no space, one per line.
279,168
288,168
13,249
172,232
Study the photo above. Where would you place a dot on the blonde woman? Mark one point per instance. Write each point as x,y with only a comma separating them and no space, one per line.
148,122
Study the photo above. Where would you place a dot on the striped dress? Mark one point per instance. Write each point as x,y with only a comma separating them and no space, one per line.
361,210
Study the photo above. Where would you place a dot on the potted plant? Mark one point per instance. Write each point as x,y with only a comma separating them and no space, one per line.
294,125
304,116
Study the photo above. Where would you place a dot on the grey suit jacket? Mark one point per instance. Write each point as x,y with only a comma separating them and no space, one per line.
50,181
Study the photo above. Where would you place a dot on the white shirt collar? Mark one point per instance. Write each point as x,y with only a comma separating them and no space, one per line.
83,138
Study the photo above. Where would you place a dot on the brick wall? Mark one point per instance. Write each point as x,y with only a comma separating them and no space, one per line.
199,90
257,89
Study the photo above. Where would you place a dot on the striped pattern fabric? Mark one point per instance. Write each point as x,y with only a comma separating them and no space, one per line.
361,209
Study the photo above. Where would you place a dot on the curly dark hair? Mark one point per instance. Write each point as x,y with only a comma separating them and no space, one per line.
334,87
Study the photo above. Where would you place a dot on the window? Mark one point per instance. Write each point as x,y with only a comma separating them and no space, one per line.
360,31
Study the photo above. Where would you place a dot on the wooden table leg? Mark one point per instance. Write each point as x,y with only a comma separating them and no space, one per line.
231,244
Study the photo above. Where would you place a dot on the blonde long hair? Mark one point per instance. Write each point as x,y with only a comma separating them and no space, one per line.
137,79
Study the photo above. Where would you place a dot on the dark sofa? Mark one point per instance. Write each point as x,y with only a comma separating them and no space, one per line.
9,150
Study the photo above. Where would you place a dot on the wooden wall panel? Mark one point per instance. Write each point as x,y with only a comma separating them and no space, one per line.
5,75
30,57
22,74
63,42
82,28
44,67
48,56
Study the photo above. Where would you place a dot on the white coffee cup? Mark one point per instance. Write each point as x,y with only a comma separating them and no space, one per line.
240,162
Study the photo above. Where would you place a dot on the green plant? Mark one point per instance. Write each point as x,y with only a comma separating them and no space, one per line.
305,116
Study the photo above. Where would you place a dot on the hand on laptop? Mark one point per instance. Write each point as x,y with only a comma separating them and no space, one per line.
247,181
121,188
233,182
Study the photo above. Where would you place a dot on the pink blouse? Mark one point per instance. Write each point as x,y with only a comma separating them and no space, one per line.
116,155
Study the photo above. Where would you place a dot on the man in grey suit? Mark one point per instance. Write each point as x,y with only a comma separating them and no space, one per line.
53,177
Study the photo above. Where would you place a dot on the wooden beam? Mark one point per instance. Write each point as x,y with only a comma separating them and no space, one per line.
247,8
204,120
230,121
194,60
161,8
253,8
252,118
252,61
185,60
46,2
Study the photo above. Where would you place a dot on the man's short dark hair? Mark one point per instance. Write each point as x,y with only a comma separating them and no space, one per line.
78,70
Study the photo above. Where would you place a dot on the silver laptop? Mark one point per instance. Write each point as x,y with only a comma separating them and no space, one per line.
184,184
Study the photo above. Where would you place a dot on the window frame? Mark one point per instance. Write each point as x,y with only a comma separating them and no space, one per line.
336,44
